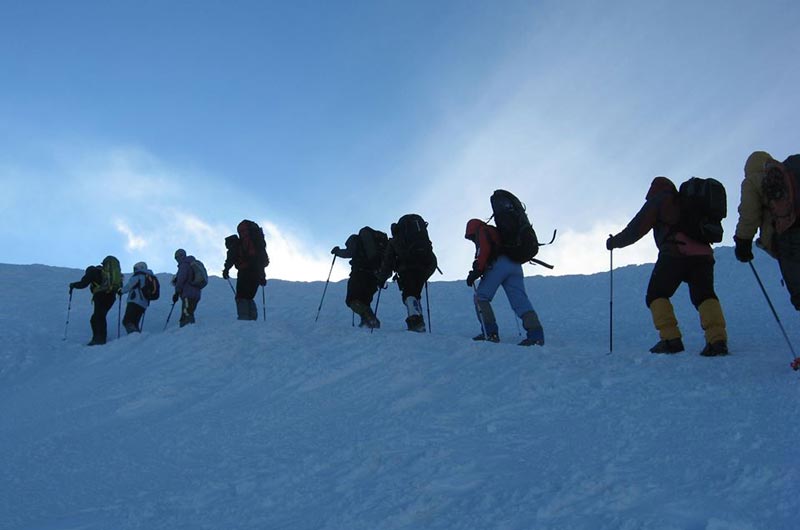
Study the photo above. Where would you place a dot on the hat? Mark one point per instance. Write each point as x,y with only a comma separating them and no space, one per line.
140,266
755,162
180,254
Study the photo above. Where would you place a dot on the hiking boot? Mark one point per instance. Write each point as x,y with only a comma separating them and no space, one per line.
370,321
715,349
95,342
491,337
416,323
535,338
668,346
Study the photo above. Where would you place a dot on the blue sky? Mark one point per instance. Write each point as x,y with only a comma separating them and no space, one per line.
136,128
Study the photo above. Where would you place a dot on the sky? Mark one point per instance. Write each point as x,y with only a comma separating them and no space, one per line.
136,129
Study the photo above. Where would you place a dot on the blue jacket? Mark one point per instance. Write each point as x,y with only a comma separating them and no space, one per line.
182,280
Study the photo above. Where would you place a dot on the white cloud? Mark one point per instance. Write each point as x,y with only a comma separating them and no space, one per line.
134,242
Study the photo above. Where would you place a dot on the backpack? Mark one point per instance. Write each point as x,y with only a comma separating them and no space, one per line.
199,274
518,238
151,289
703,205
411,240
780,191
111,274
253,247
372,244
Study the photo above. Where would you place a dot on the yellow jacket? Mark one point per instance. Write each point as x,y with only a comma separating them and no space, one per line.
753,212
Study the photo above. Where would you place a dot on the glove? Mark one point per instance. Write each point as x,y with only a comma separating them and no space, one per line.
381,279
119,292
335,250
175,298
262,282
610,243
472,276
225,274
744,249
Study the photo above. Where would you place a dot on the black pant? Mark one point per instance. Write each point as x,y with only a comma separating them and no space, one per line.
411,282
103,302
188,305
246,287
133,315
670,271
788,246
361,286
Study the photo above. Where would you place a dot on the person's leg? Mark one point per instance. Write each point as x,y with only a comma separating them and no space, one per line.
700,278
487,288
665,279
789,261
514,287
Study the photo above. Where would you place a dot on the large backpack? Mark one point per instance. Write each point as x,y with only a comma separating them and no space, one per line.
703,206
411,240
111,276
518,239
253,247
199,274
372,244
780,191
151,289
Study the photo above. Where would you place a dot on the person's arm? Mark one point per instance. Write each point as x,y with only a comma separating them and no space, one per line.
88,276
637,228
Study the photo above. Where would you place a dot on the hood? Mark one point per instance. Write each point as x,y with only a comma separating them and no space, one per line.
756,161
140,267
660,185
472,228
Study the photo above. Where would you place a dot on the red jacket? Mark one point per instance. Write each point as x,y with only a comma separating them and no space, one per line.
487,241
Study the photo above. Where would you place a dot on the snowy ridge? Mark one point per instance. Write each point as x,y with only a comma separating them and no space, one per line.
288,424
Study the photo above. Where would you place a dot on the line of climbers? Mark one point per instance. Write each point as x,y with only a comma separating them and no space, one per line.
685,222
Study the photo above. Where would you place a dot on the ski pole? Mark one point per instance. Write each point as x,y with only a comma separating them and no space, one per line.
611,302
119,313
169,316
264,302
428,306
795,361
326,288
69,308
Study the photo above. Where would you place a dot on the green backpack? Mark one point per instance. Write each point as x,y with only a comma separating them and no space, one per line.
112,276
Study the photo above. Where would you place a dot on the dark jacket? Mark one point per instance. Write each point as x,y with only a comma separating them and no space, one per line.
661,213
395,261
358,259
183,286
93,276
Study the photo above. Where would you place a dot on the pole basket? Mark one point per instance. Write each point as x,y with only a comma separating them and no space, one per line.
796,364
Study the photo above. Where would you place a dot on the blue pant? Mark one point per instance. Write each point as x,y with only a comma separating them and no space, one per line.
508,274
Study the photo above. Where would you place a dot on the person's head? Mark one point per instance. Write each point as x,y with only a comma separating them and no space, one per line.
140,266
472,228
756,161
659,185
180,254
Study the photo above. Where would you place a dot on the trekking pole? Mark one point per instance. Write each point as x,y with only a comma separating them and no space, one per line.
119,314
141,323
169,316
479,311
377,303
796,361
264,302
428,306
611,302
326,288
69,308
231,286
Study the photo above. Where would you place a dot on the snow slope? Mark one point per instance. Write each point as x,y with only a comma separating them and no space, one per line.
296,425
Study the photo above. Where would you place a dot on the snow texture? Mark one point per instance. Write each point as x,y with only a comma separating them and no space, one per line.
295,425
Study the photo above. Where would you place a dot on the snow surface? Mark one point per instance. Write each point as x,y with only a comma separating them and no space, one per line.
292,424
